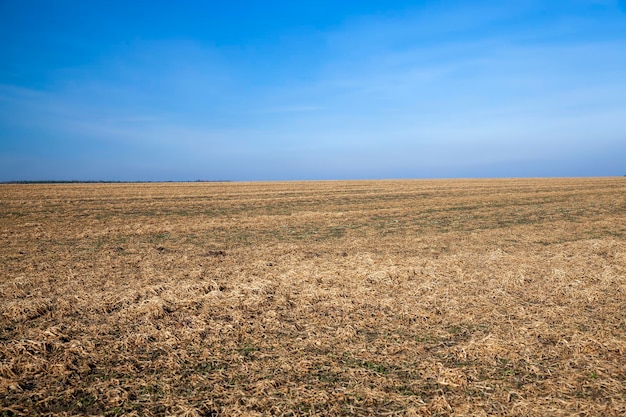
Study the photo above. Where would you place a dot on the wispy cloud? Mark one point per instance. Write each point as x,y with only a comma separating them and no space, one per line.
288,109
415,91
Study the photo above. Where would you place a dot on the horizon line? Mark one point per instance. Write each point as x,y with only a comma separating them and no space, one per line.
25,182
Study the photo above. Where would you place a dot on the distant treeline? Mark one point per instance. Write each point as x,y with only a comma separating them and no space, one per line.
97,182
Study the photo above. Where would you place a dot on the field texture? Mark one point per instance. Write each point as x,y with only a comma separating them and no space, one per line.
449,297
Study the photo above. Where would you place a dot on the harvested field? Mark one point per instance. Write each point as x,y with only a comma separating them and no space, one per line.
442,297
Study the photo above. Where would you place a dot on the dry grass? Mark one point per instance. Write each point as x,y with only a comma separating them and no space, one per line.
465,297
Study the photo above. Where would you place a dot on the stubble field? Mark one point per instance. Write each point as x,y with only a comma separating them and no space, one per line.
446,297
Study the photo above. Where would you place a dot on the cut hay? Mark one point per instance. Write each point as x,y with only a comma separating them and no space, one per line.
407,298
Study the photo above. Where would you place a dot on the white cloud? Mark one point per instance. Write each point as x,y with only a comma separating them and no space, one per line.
400,91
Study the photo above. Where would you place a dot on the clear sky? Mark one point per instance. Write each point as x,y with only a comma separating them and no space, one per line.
274,90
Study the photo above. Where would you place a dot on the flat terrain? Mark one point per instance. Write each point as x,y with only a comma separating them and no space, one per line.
443,297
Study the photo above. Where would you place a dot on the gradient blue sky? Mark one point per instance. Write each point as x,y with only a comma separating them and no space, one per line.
187,90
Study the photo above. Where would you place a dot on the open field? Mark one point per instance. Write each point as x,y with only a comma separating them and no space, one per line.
446,297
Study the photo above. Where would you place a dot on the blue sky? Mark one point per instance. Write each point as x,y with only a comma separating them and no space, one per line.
187,90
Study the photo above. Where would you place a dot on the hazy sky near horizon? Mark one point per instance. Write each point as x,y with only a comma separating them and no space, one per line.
279,90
